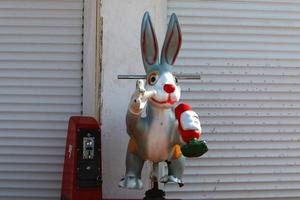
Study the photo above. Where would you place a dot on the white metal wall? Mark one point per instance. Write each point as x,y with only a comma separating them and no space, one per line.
248,53
40,87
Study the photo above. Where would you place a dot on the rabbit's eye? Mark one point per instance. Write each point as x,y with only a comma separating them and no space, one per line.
176,79
152,78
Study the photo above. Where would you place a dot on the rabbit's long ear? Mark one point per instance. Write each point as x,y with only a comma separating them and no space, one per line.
148,43
172,42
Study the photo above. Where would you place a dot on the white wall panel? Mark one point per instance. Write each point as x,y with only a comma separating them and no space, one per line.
40,87
247,52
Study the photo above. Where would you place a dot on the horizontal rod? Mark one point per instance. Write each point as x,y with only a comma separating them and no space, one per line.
178,76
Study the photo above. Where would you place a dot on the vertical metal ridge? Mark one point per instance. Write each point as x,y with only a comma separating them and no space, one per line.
41,84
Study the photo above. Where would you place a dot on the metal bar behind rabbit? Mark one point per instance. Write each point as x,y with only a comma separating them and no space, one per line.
178,76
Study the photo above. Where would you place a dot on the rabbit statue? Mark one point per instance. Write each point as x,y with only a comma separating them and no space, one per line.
164,134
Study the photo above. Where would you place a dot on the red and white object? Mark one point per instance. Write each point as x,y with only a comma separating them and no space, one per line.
188,122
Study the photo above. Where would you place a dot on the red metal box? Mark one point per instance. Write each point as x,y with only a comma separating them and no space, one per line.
82,167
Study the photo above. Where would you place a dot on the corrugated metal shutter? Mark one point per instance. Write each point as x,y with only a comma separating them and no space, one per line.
248,53
40,87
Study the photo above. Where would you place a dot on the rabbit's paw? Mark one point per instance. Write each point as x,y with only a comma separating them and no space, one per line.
172,179
131,182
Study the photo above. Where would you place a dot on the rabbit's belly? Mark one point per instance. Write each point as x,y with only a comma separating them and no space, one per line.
157,146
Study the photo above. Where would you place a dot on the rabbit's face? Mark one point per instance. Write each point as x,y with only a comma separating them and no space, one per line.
165,85
159,72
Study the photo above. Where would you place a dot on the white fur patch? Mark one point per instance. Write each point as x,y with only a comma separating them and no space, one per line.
158,137
158,143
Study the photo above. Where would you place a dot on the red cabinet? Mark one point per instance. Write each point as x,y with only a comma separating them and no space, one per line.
82,167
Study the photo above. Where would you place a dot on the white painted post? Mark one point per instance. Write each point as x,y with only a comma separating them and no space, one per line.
89,58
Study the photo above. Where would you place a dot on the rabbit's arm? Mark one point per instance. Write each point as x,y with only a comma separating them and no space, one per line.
139,98
189,128
189,125
135,123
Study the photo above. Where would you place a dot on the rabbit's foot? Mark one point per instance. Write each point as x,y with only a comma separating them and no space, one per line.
172,179
131,182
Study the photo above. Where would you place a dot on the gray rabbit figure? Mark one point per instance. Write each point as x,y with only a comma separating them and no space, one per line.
164,134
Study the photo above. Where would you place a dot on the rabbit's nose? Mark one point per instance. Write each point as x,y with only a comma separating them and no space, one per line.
169,88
